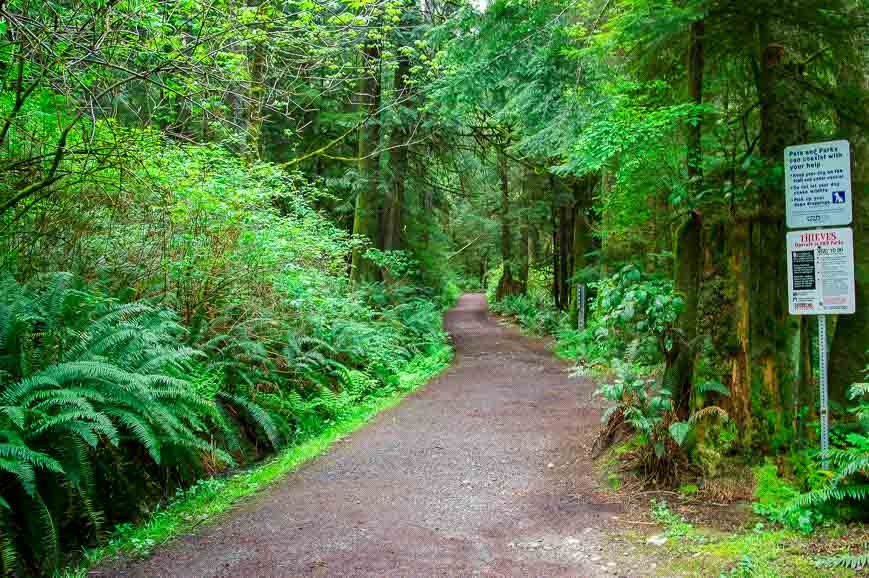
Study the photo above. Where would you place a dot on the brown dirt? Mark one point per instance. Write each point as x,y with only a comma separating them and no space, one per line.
484,472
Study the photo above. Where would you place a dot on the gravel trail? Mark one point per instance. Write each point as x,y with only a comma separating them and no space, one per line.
483,472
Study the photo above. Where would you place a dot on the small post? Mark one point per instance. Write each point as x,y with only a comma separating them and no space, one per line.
825,417
580,306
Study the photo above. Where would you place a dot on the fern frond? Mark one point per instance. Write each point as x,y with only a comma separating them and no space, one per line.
24,454
832,493
141,431
850,561
714,387
23,471
708,411
49,534
259,416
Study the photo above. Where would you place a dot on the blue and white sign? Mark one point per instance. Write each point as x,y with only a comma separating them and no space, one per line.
818,184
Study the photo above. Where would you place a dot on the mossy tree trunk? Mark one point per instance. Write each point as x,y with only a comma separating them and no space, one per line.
771,327
848,355
687,269
583,240
739,403
394,202
366,217
508,284
688,242
556,252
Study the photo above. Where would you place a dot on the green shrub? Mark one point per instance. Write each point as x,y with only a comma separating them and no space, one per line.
107,407
90,388
773,497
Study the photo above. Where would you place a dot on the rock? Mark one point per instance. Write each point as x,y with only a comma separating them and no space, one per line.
657,540
550,465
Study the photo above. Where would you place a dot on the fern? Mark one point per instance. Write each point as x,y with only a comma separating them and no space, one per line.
850,561
96,373
259,416
713,387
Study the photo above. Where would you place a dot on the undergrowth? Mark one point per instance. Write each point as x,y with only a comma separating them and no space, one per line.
107,407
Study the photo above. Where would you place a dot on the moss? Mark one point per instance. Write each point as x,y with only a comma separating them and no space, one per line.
761,553
688,489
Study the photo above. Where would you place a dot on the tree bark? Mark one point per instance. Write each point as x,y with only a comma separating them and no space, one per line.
771,327
739,404
366,217
582,237
565,250
394,202
507,285
556,263
688,246
688,263
848,355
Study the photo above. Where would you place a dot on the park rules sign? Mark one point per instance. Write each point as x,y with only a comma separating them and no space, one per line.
821,272
818,184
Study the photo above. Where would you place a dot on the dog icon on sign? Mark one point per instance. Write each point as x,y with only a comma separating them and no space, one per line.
838,197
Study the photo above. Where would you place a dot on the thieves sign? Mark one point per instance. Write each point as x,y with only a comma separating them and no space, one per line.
818,184
821,272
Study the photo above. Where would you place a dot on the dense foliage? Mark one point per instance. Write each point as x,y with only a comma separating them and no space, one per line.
177,189
636,149
223,225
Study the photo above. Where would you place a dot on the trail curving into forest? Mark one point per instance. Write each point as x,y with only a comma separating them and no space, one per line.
482,472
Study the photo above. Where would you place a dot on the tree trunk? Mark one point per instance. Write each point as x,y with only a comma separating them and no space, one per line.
695,81
688,248
848,356
688,264
556,263
582,237
254,105
507,284
739,403
366,217
565,249
771,327
394,203
808,391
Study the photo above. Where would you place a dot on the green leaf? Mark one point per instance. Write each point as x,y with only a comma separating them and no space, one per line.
679,430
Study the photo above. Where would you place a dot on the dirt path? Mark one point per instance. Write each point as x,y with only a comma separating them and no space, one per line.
481,473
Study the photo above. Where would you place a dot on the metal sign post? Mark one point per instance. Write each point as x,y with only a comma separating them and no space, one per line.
825,410
820,261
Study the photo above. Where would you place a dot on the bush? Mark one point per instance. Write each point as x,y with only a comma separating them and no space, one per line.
107,407
92,389
533,313
639,405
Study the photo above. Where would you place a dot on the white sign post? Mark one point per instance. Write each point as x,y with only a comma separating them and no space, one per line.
821,281
820,261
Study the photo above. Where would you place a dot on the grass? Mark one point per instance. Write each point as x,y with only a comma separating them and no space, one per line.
209,498
759,552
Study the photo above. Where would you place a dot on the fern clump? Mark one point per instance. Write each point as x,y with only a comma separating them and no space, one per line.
84,377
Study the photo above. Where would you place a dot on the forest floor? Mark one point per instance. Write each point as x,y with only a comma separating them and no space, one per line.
484,472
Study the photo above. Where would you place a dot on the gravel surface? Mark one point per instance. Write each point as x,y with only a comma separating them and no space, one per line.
481,473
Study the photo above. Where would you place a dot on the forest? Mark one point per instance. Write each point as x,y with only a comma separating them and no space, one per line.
227,228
